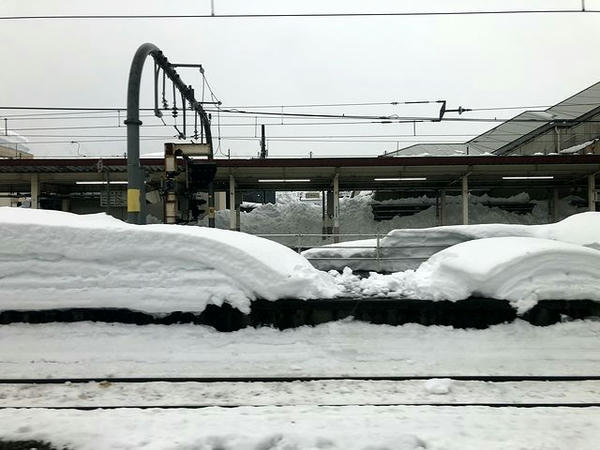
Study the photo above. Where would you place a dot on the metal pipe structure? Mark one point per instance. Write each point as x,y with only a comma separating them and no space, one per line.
136,198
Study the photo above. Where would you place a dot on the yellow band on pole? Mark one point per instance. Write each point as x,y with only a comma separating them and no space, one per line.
133,200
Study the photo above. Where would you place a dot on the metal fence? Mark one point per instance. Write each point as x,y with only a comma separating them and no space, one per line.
360,255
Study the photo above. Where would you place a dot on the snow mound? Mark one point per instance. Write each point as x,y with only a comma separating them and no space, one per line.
522,270
438,386
52,259
583,229
519,269
405,249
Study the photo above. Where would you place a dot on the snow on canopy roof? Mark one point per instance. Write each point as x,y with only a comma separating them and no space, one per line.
13,139
441,149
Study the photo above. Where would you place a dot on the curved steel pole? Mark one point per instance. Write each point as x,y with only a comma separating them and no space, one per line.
136,196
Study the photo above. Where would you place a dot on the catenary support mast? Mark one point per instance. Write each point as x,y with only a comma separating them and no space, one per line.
136,197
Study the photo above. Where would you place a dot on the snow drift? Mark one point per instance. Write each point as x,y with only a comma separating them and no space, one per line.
407,248
519,269
52,259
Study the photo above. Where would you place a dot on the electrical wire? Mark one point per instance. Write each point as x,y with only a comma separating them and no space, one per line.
323,105
350,139
244,112
323,136
297,15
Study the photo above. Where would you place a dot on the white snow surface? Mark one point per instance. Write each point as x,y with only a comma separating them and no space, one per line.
298,422
521,270
311,428
291,215
578,147
582,229
345,348
408,248
52,259
293,393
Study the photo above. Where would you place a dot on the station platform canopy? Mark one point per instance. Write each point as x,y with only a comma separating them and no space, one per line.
306,174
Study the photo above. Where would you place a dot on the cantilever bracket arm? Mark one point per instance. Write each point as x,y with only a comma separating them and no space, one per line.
136,198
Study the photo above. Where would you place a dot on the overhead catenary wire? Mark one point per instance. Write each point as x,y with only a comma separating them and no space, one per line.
240,110
580,11
390,140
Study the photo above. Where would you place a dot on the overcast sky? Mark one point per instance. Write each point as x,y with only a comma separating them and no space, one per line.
470,61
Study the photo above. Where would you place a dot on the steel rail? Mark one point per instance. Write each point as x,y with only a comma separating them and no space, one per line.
321,405
289,379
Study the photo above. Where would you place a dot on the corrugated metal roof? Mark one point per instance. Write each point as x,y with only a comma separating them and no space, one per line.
511,133
578,105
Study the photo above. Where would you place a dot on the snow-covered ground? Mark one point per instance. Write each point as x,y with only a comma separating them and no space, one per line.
300,420
50,259
311,428
333,349
294,393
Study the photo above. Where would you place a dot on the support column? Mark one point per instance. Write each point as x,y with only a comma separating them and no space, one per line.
233,223
465,200
237,205
336,207
324,214
329,213
443,215
211,205
554,213
35,191
65,204
592,192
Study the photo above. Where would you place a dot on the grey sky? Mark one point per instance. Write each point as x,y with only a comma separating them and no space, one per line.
474,61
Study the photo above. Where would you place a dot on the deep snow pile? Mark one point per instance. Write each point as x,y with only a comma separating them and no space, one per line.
292,215
522,270
580,229
407,248
52,259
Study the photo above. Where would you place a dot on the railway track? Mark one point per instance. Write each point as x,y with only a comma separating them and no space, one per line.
187,403
331,405
288,379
